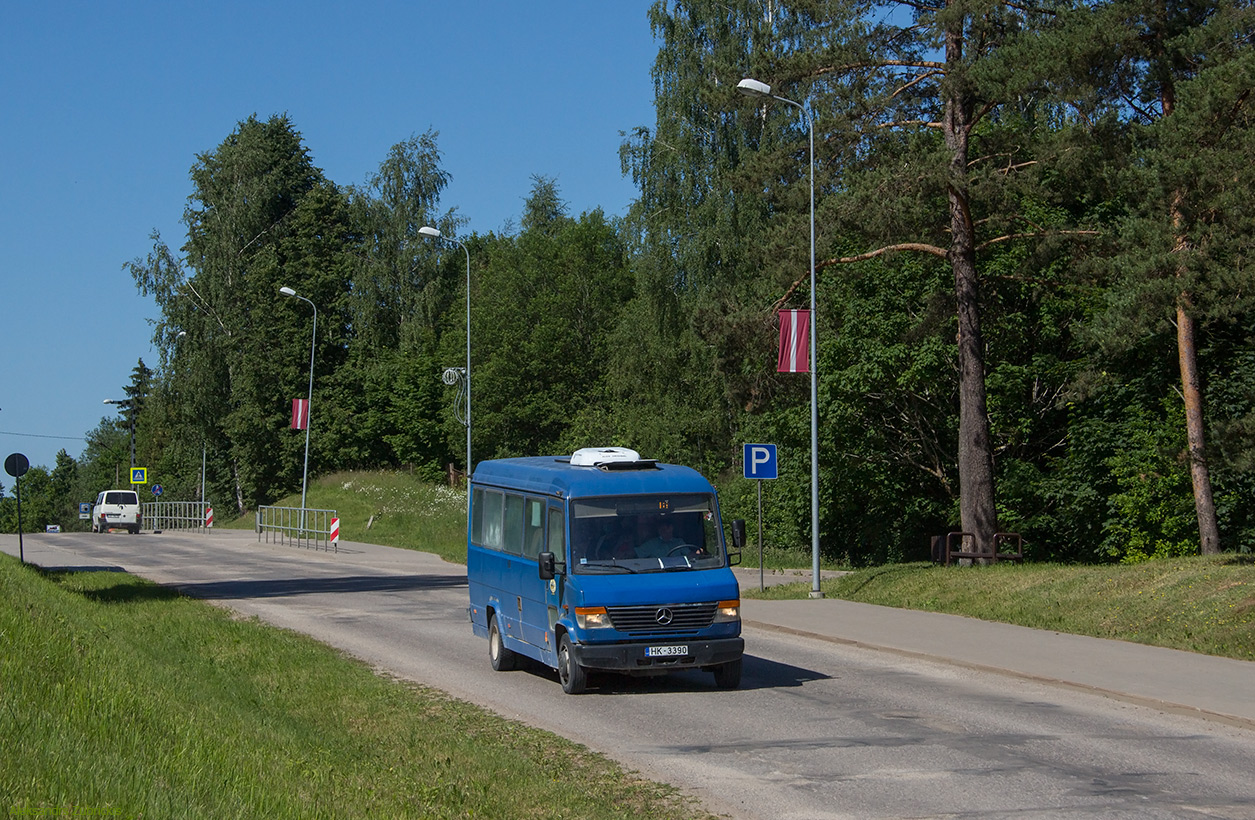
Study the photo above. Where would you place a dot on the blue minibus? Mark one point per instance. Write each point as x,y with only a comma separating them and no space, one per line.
603,561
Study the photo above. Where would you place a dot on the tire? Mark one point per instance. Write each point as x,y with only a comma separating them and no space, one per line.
502,659
573,676
728,675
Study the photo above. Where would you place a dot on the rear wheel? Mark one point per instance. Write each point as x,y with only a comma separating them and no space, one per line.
728,675
573,676
502,658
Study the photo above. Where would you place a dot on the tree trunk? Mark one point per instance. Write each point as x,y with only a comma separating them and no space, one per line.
1191,391
239,489
977,509
1204,505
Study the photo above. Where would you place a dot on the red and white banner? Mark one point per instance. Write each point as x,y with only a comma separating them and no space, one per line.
300,414
795,328
335,531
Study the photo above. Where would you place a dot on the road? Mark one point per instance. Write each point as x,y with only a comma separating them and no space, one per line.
818,730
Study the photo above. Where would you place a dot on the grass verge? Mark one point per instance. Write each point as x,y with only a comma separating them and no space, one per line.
1199,604
121,698
393,509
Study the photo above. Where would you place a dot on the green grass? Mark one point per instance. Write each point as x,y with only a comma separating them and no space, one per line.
122,698
393,509
1200,604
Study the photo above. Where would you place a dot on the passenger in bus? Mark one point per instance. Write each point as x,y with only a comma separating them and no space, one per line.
662,544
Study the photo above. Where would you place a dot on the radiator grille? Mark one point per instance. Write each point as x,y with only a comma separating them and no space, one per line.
668,618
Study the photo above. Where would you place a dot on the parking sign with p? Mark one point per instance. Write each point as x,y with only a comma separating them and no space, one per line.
760,461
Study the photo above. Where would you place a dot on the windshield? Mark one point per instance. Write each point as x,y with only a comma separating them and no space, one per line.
646,533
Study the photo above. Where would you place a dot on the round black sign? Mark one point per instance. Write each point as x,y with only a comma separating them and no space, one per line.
16,465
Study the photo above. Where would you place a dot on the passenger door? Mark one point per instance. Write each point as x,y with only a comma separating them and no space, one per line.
532,588
554,589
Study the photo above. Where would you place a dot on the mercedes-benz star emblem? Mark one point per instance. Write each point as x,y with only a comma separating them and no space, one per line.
663,616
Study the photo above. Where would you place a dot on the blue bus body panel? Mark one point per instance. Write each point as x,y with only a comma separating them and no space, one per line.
656,588
547,475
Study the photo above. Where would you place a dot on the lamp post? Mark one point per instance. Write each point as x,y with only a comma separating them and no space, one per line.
433,233
129,406
754,88
309,420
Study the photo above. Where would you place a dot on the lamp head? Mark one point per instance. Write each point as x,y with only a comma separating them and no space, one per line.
753,88
286,291
427,230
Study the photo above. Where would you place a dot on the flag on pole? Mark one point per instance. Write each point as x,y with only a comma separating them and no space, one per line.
795,328
300,414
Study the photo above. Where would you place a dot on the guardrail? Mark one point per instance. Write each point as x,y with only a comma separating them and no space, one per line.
174,515
302,527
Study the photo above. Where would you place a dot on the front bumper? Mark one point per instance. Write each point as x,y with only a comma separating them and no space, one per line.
632,657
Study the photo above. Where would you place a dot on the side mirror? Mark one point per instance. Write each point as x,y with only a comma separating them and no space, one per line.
547,565
738,541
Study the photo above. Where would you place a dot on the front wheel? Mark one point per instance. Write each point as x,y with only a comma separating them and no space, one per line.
728,675
573,676
502,658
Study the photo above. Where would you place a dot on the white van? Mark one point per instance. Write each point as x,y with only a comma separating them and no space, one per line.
117,508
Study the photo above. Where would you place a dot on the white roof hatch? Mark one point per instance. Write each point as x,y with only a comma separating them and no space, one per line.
595,456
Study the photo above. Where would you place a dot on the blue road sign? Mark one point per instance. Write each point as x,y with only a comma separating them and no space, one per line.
157,491
139,475
760,461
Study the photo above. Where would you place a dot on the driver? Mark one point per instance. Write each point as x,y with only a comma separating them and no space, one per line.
663,543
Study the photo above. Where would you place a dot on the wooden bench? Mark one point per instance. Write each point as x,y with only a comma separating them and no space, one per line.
1008,546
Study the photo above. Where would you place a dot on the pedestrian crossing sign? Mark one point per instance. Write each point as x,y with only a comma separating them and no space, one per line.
139,475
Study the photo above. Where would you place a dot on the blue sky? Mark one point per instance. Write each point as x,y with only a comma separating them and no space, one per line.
105,105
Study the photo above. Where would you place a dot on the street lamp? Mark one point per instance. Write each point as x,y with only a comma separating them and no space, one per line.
754,88
129,406
309,412
433,233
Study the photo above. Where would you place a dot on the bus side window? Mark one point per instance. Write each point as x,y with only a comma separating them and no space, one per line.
477,516
513,533
557,535
534,529
492,519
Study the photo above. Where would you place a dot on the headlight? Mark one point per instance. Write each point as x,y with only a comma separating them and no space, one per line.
728,612
592,617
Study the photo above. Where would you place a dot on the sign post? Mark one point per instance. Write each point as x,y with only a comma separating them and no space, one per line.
760,464
16,465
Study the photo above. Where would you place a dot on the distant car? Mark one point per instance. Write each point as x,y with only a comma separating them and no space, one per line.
117,508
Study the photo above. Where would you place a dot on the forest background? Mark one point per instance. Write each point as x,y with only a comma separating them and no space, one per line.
1034,297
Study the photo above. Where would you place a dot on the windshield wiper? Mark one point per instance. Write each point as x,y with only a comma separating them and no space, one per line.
611,564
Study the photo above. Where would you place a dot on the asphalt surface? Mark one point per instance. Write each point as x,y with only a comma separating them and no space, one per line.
1182,682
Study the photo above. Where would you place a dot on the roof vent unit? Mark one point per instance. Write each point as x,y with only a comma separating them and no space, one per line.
611,458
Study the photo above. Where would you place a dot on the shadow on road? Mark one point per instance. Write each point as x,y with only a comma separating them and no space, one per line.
757,673
283,587
129,589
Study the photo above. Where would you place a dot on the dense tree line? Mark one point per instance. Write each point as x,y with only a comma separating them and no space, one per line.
1034,307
